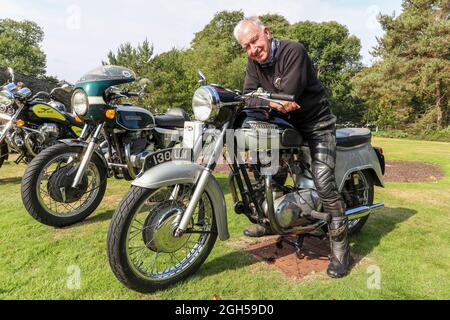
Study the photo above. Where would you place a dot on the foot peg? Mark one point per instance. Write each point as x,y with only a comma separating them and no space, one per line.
320,215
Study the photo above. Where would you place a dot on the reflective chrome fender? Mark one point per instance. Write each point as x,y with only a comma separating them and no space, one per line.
83,144
181,172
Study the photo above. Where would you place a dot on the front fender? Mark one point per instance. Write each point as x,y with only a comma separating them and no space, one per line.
83,144
182,172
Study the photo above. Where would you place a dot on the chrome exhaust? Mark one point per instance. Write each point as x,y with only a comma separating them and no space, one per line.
359,212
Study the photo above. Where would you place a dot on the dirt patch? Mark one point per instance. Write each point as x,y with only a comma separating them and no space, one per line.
313,257
412,171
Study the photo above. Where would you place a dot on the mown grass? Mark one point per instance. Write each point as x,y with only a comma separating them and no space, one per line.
409,241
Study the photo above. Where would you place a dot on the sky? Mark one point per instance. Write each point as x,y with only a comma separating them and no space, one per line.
79,34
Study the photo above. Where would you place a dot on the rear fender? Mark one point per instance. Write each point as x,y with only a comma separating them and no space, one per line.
358,158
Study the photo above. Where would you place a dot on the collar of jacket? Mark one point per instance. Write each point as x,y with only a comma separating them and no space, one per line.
270,61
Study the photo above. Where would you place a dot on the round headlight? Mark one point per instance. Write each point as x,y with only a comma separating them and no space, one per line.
80,102
204,102
6,99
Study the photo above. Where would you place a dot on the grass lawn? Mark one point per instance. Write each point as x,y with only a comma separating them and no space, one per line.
408,242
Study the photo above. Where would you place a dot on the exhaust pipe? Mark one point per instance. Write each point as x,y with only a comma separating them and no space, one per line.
359,212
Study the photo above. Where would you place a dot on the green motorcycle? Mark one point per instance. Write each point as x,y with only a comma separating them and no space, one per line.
67,182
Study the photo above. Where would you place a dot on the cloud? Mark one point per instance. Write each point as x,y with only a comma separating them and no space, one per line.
79,34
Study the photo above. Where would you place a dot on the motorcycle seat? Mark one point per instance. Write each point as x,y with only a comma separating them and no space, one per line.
351,137
291,138
173,118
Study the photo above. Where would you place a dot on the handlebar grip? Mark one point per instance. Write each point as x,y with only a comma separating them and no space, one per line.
282,96
132,94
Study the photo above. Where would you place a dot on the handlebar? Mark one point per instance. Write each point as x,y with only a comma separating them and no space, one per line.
268,95
133,94
282,96
41,93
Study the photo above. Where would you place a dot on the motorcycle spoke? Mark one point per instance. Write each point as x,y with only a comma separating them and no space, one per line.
61,208
147,259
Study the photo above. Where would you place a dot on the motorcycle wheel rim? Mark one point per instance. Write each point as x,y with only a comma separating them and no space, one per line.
363,200
67,210
153,265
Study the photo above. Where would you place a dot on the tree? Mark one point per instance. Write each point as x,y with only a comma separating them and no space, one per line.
171,86
277,24
20,47
215,51
412,78
336,56
137,59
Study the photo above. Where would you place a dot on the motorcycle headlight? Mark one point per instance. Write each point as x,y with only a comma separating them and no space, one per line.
205,103
6,99
80,103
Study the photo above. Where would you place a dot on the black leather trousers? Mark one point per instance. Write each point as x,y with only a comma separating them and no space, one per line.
321,136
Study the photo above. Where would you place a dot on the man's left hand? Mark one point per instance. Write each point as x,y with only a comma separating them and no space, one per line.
285,106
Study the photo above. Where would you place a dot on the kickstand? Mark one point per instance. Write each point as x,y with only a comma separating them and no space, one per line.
298,244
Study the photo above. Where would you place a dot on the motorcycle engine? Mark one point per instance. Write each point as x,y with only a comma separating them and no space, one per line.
138,141
49,130
291,209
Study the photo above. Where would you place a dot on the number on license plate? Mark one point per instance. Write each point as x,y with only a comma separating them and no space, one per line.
169,155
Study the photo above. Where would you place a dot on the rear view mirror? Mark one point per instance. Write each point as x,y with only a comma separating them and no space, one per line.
201,78
143,83
11,74
67,88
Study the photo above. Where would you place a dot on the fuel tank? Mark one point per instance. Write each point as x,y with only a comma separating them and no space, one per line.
40,112
134,118
265,128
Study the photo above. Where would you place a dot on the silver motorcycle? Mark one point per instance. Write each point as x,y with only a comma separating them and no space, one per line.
168,222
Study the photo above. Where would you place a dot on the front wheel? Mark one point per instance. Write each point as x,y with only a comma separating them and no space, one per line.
3,153
47,191
142,250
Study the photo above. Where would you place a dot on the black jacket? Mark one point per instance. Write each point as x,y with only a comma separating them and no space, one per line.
292,73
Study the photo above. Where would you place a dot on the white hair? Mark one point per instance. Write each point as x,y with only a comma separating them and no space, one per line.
241,25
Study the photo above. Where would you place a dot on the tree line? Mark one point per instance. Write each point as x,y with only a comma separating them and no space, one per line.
407,87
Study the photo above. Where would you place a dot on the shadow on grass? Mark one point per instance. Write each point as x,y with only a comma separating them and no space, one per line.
95,218
11,180
230,261
377,227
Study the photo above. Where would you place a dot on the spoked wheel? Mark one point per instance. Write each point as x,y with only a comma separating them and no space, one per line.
3,153
143,252
47,191
358,191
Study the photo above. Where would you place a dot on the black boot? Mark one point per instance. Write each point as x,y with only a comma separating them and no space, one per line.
257,231
340,250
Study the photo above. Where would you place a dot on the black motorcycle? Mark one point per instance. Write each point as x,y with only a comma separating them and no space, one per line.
67,182
168,222
30,124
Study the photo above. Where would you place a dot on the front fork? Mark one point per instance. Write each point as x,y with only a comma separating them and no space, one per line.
201,184
11,121
92,145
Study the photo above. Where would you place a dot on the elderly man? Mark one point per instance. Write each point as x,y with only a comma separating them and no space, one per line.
285,67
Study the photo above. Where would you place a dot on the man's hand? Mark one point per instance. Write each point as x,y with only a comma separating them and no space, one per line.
285,106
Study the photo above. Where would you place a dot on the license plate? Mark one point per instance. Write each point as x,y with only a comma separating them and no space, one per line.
167,155
192,133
